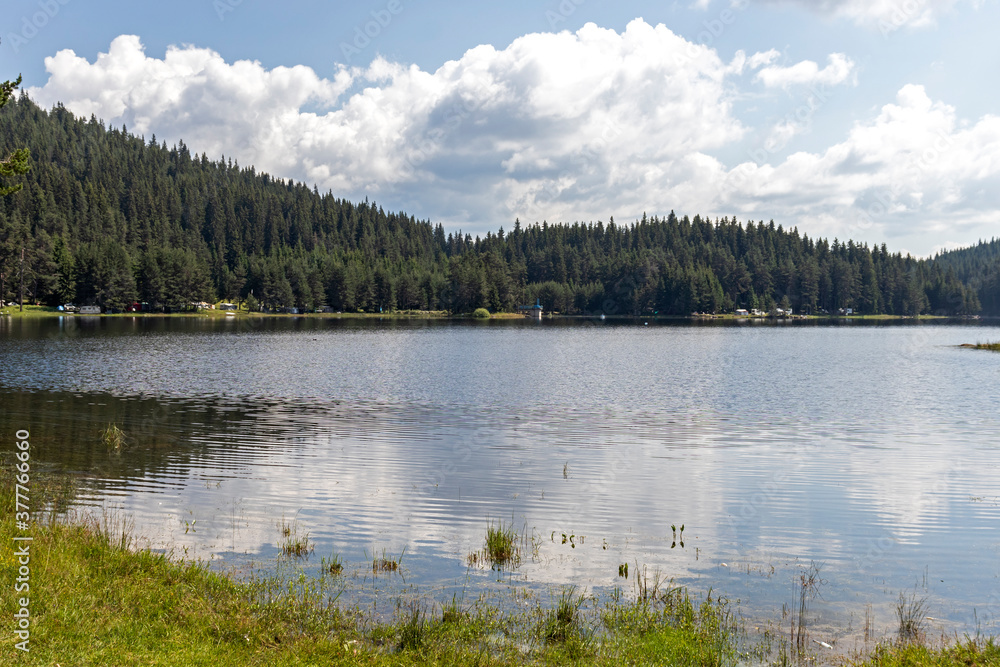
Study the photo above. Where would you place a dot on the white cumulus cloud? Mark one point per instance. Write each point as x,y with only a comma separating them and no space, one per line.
912,170
838,70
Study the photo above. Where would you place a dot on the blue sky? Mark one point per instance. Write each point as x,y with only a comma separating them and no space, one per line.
876,121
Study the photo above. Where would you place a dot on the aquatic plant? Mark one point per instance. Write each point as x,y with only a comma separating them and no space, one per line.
386,563
293,544
334,564
911,612
808,583
297,546
502,545
113,437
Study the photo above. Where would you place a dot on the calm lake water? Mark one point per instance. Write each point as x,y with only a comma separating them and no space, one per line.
871,451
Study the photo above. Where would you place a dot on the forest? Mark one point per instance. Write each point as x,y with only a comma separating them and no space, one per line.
111,219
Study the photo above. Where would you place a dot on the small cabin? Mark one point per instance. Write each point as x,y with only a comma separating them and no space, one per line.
532,312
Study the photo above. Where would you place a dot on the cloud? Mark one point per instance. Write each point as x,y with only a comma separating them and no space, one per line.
885,15
762,58
807,72
911,171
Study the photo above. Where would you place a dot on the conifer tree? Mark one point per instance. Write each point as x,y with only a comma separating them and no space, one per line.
16,164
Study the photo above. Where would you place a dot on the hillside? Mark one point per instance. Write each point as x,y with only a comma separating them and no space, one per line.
979,267
108,218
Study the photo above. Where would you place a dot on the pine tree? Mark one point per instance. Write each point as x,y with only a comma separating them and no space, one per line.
16,164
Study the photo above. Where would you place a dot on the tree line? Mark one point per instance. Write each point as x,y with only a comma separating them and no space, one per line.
110,219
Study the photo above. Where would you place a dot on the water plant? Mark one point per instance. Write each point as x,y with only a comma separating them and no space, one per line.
808,584
113,437
648,590
386,563
334,564
297,546
292,543
911,613
502,549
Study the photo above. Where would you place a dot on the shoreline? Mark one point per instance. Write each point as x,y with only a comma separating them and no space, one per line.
100,598
47,312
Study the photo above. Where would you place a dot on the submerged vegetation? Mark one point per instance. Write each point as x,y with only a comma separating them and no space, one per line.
113,437
98,599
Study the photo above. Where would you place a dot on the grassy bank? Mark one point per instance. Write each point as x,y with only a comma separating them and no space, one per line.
48,311
966,653
96,600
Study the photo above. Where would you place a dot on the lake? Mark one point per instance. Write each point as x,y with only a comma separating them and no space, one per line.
869,451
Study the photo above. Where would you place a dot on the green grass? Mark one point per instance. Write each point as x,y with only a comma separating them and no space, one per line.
966,653
29,311
562,623
989,346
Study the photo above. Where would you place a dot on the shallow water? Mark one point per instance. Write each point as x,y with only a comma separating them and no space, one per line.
871,451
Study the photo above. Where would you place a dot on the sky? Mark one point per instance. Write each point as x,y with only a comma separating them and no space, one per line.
877,121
